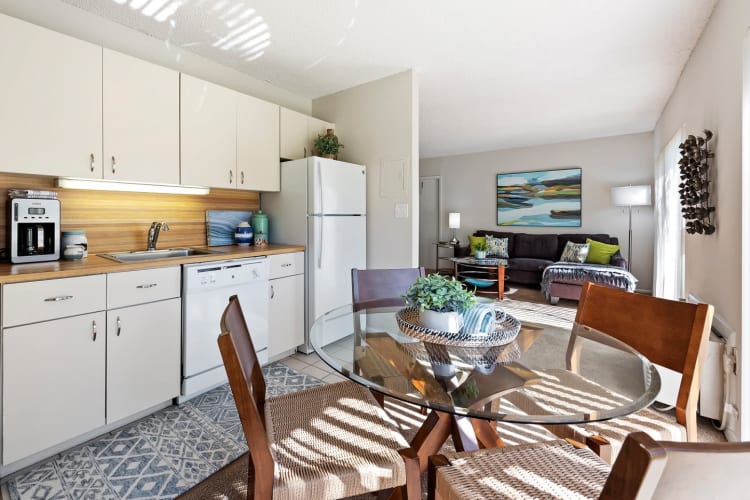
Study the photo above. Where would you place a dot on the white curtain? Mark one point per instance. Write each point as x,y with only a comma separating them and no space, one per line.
669,252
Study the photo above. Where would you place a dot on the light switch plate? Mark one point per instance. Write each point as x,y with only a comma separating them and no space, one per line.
401,210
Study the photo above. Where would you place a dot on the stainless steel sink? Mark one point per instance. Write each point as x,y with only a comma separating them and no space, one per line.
146,255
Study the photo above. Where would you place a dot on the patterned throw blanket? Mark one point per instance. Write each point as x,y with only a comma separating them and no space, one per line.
595,273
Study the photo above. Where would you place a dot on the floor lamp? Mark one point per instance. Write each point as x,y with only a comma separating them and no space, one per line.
631,196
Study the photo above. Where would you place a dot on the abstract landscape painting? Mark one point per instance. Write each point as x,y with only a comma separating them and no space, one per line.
539,198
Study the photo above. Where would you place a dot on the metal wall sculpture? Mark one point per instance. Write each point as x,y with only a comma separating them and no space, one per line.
694,188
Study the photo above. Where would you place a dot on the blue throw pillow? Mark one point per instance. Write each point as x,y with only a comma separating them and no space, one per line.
497,247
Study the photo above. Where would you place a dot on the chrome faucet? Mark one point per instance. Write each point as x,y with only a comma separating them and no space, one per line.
153,234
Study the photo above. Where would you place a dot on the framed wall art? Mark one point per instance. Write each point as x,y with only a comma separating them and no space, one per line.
543,198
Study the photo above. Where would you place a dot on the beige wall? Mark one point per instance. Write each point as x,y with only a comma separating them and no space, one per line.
70,20
469,188
378,124
708,95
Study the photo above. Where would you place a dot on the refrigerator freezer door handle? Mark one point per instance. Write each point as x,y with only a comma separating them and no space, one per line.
320,186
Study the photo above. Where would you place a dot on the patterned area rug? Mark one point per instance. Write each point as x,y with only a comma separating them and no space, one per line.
159,456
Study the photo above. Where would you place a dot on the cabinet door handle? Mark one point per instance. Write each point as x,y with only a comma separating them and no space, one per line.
147,285
286,265
231,175
273,292
92,161
242,177
58,298
93,329
119,326
114,164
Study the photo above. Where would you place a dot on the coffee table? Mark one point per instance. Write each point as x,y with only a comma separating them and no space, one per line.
487,276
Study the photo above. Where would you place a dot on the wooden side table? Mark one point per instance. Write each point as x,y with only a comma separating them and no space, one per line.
438,257
486,275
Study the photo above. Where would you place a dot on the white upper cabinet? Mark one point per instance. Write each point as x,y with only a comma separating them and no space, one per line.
258,145
141,120
293,135
50,102
298,133
208,127
315,128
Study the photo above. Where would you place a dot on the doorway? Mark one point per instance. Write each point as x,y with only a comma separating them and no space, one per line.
430,208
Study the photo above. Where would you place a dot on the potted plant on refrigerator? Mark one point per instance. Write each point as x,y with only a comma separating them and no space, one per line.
327,145
441,300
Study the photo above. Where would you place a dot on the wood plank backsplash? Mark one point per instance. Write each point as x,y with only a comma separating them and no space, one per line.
117,221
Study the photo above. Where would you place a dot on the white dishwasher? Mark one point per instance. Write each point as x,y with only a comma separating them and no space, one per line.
206,289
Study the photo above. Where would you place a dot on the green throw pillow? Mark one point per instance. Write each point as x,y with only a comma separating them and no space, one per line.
600,253
473,240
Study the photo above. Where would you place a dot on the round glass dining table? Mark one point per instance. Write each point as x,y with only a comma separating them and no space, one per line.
548,374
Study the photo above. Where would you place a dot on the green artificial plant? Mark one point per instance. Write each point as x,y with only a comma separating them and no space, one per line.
439,293
481,245
327,144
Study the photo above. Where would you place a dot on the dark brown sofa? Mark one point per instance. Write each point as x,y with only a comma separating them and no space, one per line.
530,254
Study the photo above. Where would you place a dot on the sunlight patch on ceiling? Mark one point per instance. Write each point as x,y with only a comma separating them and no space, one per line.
243,31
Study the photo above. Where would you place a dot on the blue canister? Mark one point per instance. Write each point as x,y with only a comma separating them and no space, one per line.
243,235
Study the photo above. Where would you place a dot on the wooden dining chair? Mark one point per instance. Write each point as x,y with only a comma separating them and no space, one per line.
331,441
670,333
382,287
645,469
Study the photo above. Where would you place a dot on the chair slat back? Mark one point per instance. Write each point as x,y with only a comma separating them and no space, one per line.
670,333
382,287
249,391
664,470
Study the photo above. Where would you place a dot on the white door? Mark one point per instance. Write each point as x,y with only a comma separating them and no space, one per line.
286,318
336,187
143,357
337,244
429,220
293,134
208,126
141,120
53,383
258,165
50,102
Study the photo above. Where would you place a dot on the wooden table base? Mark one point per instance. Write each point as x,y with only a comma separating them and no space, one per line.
468,434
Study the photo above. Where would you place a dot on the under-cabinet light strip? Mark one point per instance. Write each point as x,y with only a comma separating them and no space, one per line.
140,187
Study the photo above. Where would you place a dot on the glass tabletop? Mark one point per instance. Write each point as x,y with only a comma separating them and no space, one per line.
547,374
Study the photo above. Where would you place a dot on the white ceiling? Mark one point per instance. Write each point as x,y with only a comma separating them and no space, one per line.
493,74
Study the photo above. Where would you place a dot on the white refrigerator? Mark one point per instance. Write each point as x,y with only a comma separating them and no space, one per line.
322,205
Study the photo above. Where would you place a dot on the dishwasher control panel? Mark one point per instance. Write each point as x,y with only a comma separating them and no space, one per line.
225,273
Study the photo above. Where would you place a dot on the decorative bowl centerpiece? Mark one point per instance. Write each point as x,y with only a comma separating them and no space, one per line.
443,311
440,301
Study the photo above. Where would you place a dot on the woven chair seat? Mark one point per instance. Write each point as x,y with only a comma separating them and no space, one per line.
332,441
561,391
554,469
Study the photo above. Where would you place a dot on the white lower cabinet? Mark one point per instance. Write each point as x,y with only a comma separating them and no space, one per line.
286,318
79,353
143,357
53,382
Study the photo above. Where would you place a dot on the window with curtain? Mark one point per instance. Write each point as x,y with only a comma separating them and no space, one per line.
669,252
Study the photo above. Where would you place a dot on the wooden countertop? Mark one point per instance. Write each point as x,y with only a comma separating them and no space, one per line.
93,264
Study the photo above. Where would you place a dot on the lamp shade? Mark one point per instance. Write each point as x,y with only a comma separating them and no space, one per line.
631,196
454,220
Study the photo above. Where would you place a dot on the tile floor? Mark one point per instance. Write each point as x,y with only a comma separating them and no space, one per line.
311,364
